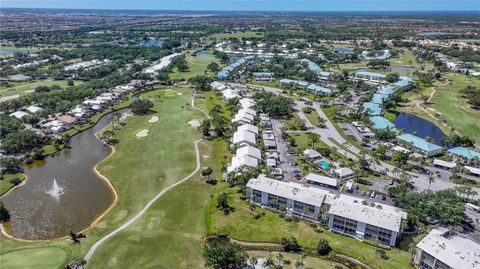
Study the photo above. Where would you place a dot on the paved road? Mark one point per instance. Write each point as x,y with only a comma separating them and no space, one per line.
92,250
330,133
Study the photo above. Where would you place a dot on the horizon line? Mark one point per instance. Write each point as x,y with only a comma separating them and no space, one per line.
246,10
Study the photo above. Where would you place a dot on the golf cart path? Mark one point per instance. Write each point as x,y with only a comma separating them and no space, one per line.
199,109
94,247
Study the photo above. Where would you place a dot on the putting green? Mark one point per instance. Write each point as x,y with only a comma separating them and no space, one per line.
47,257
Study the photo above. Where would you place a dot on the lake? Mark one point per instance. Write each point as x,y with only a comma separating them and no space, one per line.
423,128
37,214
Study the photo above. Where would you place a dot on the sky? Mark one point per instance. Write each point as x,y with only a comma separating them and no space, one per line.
253,5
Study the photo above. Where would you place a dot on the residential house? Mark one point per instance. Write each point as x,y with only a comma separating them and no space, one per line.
298,200
420,144
444,249
322,181
357,218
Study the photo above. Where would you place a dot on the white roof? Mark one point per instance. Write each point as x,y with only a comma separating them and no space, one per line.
248,127
18,114
229,94
53,123
271,162
455,251
238,161
34,109
249,151
290,190
217,85
321,179
164,62
247,111
311,153
343,172
401,149
78,110
444,163
244,137
266,136
93,102
473,170
242,118
350,185
247,102
383,217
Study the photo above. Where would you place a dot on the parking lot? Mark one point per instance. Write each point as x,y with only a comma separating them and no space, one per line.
287,157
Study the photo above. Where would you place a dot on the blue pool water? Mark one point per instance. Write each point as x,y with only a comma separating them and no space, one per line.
325,164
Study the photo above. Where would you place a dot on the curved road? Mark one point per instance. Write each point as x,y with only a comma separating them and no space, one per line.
92,250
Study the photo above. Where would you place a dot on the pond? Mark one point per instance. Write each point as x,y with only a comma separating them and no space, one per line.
423,128
202,52
151,43
62,193
12,52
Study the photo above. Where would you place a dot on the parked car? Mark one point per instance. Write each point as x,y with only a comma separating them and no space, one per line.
390,182
373,194
363,193
369,193
384,198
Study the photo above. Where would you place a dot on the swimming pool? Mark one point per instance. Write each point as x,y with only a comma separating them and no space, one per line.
325,164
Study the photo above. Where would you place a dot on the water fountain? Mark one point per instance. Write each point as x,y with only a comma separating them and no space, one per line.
56,190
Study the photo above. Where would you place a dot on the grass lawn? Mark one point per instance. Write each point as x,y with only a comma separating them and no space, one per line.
42,257
353,66
454,108
406,59
294,123
23,89
139,169
5,184
197,64
313,118
238,35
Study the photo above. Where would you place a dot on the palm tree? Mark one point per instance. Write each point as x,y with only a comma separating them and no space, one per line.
430,181
313,138
395,170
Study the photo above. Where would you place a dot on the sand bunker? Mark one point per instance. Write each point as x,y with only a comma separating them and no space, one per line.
194,123
179,93
142,133
153,119
125,115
